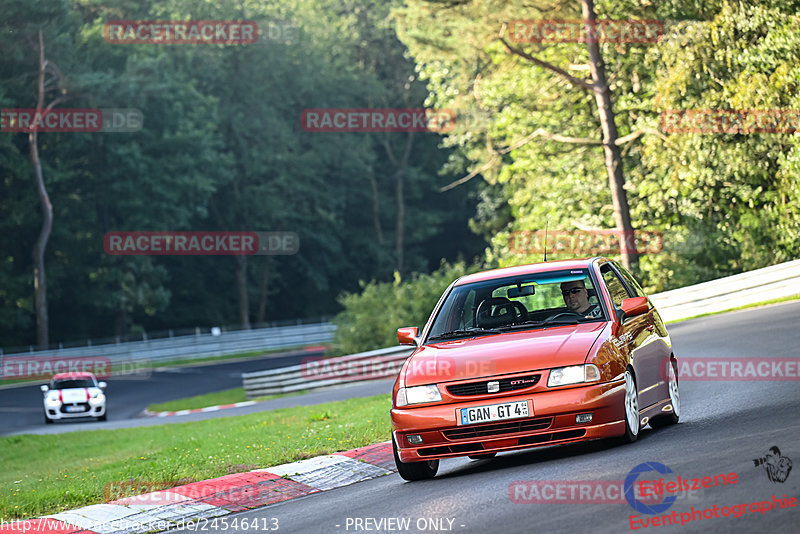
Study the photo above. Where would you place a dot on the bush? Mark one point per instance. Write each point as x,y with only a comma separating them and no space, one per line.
370,319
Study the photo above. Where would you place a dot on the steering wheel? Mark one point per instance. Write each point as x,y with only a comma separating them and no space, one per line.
557,315
520,311
503,310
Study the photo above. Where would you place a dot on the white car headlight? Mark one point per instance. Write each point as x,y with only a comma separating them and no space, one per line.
418,395
52,399
574,374
97,399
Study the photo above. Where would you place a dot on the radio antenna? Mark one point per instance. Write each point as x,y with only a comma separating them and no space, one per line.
545,239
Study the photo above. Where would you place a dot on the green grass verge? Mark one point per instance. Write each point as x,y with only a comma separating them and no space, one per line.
229,396
51,473
746,306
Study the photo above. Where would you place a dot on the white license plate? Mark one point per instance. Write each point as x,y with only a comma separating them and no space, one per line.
493,412
75,409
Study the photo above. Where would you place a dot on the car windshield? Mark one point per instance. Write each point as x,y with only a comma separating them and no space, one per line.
73,383
528,301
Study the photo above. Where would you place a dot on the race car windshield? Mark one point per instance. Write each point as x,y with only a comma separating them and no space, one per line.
530,301
73,383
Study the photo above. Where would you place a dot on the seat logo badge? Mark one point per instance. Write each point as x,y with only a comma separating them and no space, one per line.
493,386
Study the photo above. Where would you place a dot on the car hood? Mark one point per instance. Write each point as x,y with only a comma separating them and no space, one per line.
72,394
499,354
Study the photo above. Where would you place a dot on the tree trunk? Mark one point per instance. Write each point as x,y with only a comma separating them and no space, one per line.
39,279
613,157
376,212
241,284
401,215
263,293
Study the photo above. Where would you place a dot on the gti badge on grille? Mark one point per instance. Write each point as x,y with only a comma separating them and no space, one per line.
493,386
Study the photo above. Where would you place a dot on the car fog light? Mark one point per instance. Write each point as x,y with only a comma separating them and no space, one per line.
414,439
583,418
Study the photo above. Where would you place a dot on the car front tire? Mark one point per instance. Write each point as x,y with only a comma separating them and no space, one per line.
412,471
47,420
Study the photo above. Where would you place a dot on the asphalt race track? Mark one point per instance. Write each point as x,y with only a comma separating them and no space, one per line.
724,426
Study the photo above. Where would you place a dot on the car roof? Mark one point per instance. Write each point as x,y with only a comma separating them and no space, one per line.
531,268
67,376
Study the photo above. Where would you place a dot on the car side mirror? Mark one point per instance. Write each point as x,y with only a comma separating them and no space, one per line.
44,388
102,385
634,306
408,335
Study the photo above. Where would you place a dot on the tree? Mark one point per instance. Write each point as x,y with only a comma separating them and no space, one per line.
480,62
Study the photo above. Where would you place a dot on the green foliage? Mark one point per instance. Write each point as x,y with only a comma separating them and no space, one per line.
725,203
221,148
370,319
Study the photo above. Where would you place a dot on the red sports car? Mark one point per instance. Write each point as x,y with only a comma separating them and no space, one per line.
535,355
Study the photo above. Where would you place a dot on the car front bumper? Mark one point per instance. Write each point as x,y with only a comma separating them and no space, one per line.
57,412
552,421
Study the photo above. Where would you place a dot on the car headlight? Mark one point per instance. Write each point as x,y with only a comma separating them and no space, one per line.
418,395
52,400
97,399
574,374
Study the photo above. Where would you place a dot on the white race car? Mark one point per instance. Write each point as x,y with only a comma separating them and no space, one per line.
71,395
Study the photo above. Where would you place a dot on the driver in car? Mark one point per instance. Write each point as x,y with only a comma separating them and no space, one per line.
577,299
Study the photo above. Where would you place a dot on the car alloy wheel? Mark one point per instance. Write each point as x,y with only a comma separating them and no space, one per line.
632,423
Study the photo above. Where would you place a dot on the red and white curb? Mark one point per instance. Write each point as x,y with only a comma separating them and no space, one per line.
175,507
148,413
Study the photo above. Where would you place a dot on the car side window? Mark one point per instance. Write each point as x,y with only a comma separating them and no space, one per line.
614,284
632,283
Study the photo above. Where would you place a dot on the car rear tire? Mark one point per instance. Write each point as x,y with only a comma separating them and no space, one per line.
482,456
412,471
631,404
674,398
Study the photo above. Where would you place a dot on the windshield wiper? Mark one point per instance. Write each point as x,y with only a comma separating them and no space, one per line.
528,324
460,333
561,320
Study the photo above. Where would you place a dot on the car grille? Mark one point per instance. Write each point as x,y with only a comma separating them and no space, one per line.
497,429
481,388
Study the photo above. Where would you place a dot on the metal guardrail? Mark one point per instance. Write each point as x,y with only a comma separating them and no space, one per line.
316,373
714,296
136,353
769,283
